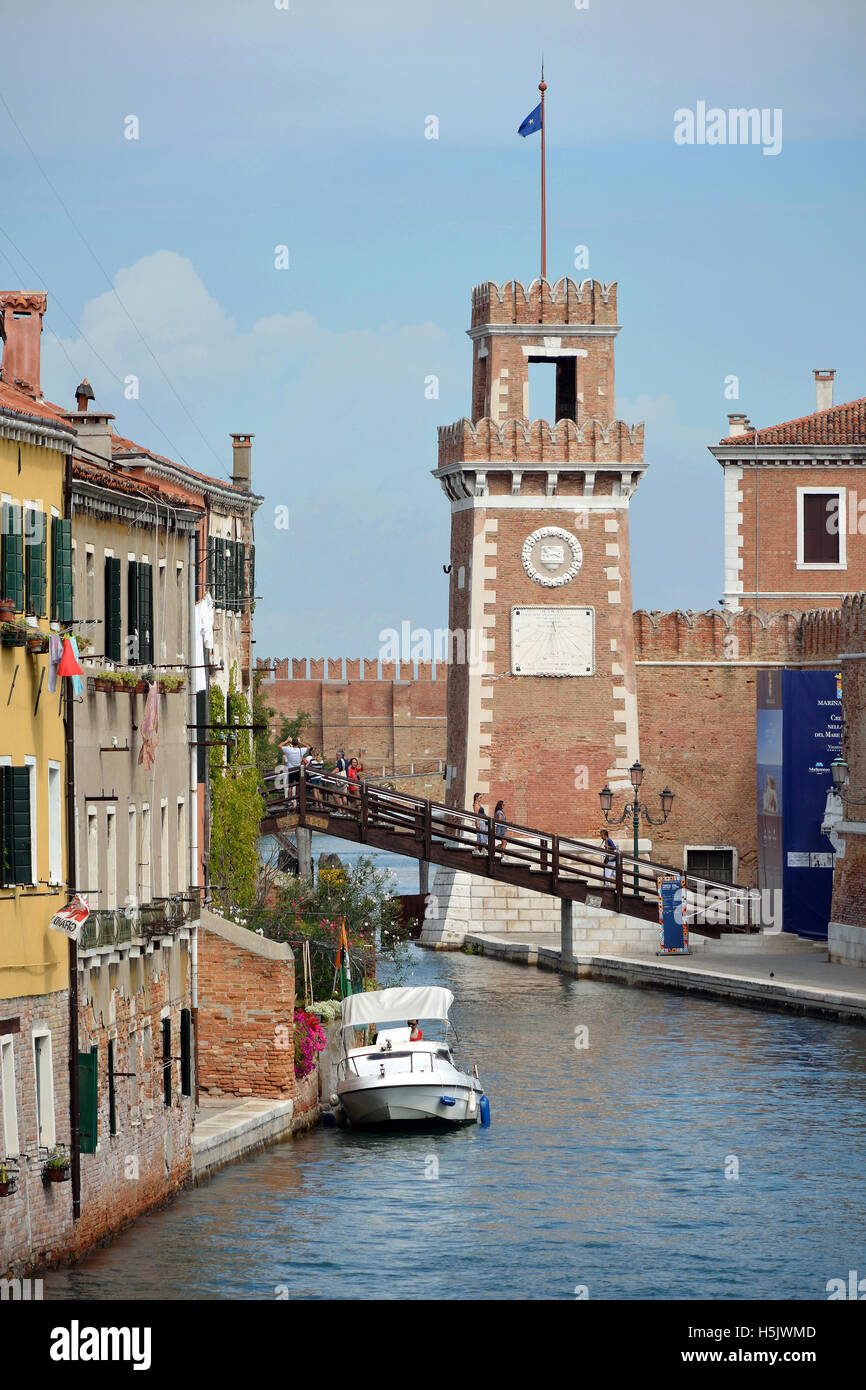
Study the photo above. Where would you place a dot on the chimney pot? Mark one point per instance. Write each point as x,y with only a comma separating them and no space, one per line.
83,394
241,460
737,424
21,328
824,378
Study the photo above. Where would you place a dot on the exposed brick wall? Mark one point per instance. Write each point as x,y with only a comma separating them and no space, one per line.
246,1013
36,1220
849,878
396,722
144,1164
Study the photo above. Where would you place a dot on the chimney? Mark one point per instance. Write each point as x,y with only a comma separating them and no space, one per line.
737,424
21,328
241,465
83,394
92,428
824,377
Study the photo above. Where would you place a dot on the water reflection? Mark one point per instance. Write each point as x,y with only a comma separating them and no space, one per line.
603,1166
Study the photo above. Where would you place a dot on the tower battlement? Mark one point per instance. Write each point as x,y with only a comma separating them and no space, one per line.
563,301
537,442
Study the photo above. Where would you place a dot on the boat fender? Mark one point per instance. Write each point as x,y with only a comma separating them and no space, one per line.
484,1110
447,1100
329,1119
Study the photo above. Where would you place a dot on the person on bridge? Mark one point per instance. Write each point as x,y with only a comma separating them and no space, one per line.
499,818
480,814
353,773
610,857
293,755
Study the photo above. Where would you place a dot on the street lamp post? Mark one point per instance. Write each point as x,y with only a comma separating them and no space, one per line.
635,809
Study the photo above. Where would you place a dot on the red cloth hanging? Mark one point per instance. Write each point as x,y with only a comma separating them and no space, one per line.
68,666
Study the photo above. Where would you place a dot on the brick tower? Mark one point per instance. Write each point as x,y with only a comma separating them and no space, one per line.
541,684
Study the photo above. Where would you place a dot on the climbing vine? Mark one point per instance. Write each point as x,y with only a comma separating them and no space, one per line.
236,802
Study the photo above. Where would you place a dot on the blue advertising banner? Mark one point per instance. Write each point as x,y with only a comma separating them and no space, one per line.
799,733
674,931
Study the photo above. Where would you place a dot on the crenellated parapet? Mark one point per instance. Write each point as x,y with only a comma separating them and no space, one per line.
718,635
561,302
539,443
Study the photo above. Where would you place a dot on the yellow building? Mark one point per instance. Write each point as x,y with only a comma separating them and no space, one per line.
35,600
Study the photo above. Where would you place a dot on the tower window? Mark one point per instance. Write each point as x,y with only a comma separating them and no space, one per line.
553,388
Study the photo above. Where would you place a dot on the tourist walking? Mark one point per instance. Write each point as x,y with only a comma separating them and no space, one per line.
610,857
499,818
341,768
482,824
353,776
315,766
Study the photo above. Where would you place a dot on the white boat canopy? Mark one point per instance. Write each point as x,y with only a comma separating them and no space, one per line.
396,1005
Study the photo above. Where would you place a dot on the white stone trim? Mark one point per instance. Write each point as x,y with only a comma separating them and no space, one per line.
842,493
505,501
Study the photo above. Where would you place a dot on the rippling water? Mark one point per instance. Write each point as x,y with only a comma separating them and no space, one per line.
603,1167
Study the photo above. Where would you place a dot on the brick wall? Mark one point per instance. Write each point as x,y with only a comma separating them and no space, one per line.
246,1013
396,721
143,1165
36,1220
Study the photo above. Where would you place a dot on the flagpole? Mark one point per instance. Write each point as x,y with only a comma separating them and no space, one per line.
542,87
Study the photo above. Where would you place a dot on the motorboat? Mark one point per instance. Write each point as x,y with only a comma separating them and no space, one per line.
395,1081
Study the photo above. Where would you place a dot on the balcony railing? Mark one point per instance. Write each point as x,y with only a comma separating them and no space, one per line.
115,926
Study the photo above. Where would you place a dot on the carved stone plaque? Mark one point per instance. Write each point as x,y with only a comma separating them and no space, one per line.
552,556
548,641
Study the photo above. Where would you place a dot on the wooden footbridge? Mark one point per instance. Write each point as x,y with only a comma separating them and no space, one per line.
568,869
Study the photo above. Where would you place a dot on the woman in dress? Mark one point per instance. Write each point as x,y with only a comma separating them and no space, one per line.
480,814
499,818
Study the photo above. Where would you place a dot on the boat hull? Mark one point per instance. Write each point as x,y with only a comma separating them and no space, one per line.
385,1104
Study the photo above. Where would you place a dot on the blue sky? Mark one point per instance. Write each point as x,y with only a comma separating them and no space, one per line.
304,127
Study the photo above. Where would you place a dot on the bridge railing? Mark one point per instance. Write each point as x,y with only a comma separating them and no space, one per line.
620,879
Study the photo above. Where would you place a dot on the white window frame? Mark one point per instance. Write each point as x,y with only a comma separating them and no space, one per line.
145,864
55,823
842,562
46,1133
30,761
11,1147
110,857
132,853
182,884
164,868
91,816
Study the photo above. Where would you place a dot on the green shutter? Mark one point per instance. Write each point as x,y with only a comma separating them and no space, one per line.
15,825
185,1052
166,1061
88,1100
112,630
219,562
61,570
35,552
240,553
210,569
133,640
251,581
145,612
12,579
112,1102
201,733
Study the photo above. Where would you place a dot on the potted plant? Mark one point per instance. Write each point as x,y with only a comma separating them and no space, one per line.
168,685
8,1178
37,641
56,1167
7,607
105,680
13,634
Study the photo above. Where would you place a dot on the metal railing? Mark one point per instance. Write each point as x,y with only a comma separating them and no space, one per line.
557,864
117,926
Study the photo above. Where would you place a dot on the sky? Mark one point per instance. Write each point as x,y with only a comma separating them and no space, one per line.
301,124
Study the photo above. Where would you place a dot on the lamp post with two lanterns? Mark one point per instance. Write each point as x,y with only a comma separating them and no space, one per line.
635,809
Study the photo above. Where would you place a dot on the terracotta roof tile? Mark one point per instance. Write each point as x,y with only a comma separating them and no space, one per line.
121,447
11,398
841,424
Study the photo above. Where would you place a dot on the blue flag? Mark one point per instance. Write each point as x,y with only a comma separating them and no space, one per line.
532,122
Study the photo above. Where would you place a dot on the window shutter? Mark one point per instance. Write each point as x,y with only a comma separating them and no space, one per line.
251,581
185,1052
61,570
821,520
111,617
210,566
88,1100
166,1061
240,552
202,720
15,828
133,641
219,557
145,612
12,580
36,551
112,1101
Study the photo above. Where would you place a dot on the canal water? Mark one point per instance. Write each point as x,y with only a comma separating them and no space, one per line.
604,1168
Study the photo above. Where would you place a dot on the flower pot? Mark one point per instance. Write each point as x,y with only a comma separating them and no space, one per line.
7,605
37,645
8,1187
13,639
106,686
57,1174
140,688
